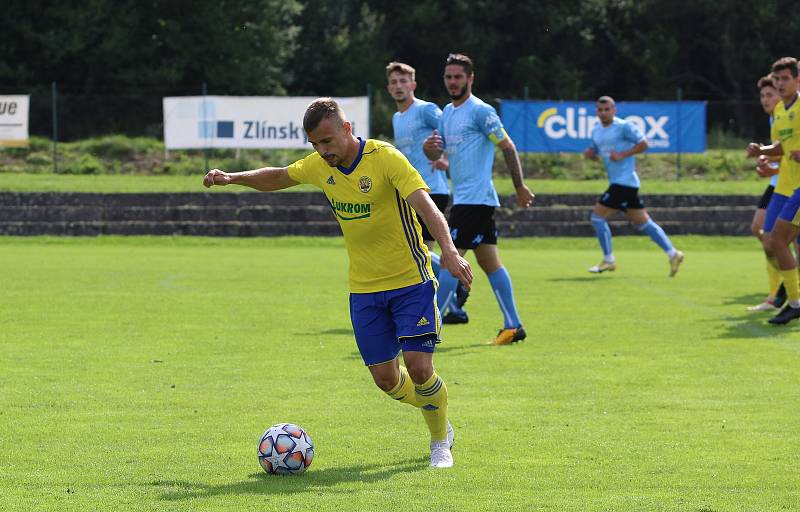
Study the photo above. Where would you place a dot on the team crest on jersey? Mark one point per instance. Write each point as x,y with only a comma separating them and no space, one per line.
365,184
791,116
330,181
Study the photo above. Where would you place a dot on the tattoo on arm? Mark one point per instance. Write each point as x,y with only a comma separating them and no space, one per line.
514,166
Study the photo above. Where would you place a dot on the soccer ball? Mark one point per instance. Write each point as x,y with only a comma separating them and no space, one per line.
285,449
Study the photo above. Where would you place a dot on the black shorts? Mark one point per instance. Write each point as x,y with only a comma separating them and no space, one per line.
472,225
440,200
765,197
620,197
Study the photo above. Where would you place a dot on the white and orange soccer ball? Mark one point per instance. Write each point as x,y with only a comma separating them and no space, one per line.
285,449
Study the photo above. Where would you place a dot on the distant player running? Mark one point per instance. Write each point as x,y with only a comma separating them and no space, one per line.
468,131
412,123
616,141
373,192
767,168
782,222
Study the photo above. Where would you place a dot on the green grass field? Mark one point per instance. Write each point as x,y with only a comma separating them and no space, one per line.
138,374
116,183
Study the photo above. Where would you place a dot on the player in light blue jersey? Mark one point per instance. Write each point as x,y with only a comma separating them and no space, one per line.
616,141
468,132
412,123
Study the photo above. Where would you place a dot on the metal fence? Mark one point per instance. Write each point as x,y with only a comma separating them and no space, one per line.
73,114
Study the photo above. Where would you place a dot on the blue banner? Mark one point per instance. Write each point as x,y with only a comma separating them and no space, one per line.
566,126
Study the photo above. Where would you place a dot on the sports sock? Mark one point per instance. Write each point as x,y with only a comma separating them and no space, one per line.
657,234
404,391
446,294
435,265
792,283
773,276
432,397
603,232
504,293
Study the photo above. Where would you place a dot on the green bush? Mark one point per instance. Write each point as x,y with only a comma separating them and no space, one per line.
39,159
84,164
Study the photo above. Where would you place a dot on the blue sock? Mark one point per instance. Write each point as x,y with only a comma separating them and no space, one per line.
435,263
504,293
657,234
603,232
446,294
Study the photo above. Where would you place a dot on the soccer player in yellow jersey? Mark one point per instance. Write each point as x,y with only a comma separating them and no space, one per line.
782,222
373,192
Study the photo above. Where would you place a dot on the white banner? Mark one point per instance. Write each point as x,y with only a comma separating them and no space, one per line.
14,120
196,122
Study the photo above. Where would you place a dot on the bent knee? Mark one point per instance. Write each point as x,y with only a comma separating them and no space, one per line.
421,372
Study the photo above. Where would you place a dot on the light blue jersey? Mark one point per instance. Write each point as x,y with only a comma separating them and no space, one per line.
470,132
411,128
620,135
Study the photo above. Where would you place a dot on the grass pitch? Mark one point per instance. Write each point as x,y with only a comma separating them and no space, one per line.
139,373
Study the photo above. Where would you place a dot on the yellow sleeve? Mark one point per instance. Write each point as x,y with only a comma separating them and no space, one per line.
773,133
401,174
302,171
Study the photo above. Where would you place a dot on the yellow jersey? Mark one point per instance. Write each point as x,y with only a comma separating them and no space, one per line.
786,129
381,231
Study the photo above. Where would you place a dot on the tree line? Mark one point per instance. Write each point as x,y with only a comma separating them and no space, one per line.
547,49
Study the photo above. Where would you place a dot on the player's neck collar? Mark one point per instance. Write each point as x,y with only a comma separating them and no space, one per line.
787,107
348,170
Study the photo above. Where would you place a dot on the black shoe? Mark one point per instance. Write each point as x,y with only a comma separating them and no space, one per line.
787,314
454,318
462,294
780,297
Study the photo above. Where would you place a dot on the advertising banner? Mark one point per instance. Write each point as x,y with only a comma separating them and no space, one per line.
566,127
14,120
196,122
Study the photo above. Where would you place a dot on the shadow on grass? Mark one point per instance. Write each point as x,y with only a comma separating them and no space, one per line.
751,299
313,481
754,325
331,332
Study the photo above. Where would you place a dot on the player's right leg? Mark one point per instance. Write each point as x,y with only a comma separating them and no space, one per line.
599,218
773,210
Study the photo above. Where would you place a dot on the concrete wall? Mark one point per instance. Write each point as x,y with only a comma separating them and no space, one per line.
307,213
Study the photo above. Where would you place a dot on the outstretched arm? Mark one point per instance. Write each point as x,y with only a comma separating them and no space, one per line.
265,179
437,225
524,195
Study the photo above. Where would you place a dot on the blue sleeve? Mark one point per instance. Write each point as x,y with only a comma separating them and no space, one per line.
632,133
488,122
431,115
440,128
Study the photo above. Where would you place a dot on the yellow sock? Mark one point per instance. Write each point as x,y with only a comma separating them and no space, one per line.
432,397
404,390
773,276
791,282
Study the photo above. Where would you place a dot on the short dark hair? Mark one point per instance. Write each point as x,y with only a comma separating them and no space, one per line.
319,109
606,99
789,63
766,81
399,67
462,60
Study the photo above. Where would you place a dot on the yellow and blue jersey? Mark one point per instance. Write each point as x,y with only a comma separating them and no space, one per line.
381,231
786,129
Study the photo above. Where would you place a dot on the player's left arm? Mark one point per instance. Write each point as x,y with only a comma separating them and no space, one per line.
639,147
524,195
422,203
